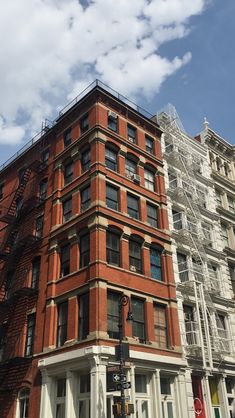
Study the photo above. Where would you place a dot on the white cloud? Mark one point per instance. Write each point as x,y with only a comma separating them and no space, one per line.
51,49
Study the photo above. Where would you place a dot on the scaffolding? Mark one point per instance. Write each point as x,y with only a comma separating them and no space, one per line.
203,332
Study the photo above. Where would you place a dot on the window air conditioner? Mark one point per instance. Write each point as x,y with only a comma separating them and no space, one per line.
112,115
129,176
133,268
136,178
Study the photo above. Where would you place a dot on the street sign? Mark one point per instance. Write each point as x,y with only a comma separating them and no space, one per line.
117,377
125,385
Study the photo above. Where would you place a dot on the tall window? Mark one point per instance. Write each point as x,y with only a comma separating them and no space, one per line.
231,206
149,179
39,226
138,325
85,198
68,173
112,121
84,250
9,283
142,395
149,144
67,137
167,397
65,260
207,233
183,267
160,326
177,220
35,272
83,326
133,206
155,264
224,232
24,403
218,197
135,258
62,323
113,248
30,335
152,215
67,209
86,160
111,158
45,157
131,167
60,398
131,133
113,314
84,123
84,395
111,197
1,190
43,190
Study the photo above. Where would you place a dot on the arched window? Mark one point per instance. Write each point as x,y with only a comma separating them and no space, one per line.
131,165
24,403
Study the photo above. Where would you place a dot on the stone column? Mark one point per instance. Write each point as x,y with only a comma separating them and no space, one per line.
70,396
46,394
98,386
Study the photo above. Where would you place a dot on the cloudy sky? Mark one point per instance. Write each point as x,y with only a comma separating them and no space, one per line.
152,51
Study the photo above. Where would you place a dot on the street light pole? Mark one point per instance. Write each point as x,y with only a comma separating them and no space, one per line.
123,301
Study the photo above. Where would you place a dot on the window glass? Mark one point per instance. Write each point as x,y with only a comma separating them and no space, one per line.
65,260
149,179
131,167
113,248
35,272
112,121
112,197
86,160
111,158
67,209
24,403
149,144
60,398
152,215
135,256
155,264
83,326
30,335
62,323
133,206
140,383
84,123
85,198
113,314
160,326
131,133
45,156
182,267
84,250
165,384
68,173
67,137
43,190
39,226
138,326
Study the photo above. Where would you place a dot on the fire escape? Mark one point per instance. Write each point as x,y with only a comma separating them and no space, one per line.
203,333
16,294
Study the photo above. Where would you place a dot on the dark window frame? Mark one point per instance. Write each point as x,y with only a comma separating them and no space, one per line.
83,323
112,123
152,220
160,328
85,200
65,260
67,209
149,184
138,325
67,137
133,204
84,250
113,300
86,160
135,260
112,253
36,264
132,133
30,335
112,197
110,161
149,148
39,226
43,185
156,264
68,173
62,323
130,167
84,123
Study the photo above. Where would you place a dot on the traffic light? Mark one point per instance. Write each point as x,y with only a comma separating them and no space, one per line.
117,409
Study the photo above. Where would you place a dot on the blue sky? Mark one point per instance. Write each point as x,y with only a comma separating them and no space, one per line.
156,52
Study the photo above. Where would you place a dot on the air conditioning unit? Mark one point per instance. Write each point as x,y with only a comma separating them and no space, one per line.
129,176
112,115
132,268
136,178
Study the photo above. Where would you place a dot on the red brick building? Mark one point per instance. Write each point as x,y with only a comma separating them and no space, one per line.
83,221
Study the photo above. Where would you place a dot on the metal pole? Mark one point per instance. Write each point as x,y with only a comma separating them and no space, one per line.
122,302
